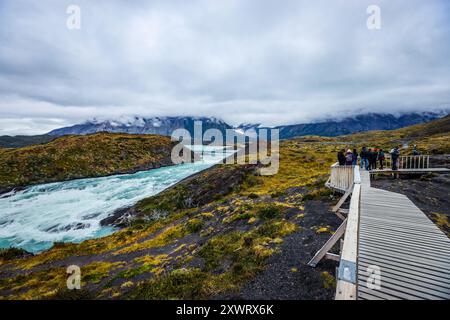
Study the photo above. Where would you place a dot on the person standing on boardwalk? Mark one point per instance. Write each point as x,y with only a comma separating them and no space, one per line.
370,158
395,154
349,158
373,159
415,152
355,157
381,158
364,163
341,157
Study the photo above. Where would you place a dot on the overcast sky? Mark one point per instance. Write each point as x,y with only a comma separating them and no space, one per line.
260,61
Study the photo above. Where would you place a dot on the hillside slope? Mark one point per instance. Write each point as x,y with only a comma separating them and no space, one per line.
359,123
74,157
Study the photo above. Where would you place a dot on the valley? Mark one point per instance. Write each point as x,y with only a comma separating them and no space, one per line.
225,232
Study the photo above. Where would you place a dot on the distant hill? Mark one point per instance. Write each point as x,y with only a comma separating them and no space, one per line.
22,141
360,123
73,157
432,137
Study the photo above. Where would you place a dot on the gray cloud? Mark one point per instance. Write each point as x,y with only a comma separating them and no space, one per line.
244,61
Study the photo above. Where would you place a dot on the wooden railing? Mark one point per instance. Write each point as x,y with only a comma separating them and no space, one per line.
348,179
410,162
341,177
347,273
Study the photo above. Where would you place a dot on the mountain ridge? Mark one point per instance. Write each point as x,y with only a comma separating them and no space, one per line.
330,127
166,125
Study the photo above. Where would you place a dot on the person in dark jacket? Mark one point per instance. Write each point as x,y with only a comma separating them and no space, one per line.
415,152
364,163
395,154
381,158
373,158
355,157
341,157
370,158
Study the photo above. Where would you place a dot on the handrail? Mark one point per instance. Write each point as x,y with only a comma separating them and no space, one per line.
410,162
341,177
346,284
356,175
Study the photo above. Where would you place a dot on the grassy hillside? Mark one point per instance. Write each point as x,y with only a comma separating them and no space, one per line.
210,234
72,157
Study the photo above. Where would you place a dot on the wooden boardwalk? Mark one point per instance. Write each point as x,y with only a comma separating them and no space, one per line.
391,249
396,239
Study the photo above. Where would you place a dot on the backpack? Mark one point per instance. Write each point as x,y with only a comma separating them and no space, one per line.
349,157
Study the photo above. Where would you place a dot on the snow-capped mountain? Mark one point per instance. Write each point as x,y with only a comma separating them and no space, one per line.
138,125
166,125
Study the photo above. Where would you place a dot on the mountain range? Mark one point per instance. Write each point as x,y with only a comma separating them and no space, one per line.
166,125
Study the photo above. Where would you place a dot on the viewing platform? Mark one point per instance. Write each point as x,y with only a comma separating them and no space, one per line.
390,248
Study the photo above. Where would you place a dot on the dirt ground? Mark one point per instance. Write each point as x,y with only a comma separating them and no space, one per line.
287,275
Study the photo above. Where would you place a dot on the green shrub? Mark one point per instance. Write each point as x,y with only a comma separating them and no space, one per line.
194,225
178,284
268,211
12,253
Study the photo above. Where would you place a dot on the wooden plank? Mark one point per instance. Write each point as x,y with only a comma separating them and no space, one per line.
401,280
429,254
410,275
389,293
418,234
406,268
411,227
332,256
349,251
328,245
407,288
432,237
399,218
346,285
406,262
339,215
395,225
401,244
345,291
342,200
374,295
407,256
